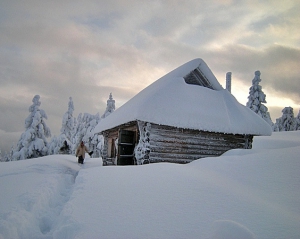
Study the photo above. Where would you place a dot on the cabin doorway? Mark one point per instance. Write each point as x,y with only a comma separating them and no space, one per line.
126,143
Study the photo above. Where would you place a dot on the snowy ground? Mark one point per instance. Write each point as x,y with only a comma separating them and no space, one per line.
238,195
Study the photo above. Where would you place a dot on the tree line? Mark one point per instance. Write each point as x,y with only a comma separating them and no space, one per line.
33,142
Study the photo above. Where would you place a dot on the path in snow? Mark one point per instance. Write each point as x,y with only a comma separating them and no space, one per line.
38,201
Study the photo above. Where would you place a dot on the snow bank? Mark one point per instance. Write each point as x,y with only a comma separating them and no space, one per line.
171,101
244,193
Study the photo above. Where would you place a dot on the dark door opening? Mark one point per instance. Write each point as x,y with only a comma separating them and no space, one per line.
126,145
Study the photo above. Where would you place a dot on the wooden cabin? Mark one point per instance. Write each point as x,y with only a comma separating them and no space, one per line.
181,117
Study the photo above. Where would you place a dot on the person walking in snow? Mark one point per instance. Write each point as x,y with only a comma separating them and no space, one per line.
80,152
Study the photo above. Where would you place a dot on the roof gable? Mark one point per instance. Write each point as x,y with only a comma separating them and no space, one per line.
196,77
202,76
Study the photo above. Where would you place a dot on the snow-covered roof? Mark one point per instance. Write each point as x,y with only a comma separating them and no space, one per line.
188,97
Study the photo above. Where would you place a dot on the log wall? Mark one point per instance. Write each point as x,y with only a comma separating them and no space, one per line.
170,144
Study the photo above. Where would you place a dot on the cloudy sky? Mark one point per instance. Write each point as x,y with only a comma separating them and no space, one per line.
87,49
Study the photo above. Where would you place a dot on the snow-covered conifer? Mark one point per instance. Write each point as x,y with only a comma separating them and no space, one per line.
4,157
78,132
277,126
92,140
68,121
53,147
63,143
286,122
110,106
297,122
256,99
33,143
84,132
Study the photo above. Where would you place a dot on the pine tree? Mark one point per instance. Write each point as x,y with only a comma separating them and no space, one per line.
64,140
256,99
33,143
6,157
79,131
9,156
68,121
110,106
277,126
297,122
53,147
63,143
286,122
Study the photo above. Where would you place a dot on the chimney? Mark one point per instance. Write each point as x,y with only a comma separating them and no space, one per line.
228,81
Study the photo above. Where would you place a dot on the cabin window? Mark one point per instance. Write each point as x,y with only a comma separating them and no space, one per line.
196,77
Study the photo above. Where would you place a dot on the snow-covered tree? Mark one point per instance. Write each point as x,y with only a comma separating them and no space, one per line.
67,130
286,122
9,155
5,157
79,131
68,121
59,145
63,143
93,140
277,126
53,147
33,143
84,132
297,122
256,99
110,106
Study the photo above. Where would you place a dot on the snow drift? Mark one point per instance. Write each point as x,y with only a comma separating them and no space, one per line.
244,193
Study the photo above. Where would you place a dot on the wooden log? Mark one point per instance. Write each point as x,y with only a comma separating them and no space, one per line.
213,151
157,142
170,144
190,137
162,130
170,160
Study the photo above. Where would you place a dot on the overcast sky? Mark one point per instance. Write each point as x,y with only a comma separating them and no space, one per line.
87,49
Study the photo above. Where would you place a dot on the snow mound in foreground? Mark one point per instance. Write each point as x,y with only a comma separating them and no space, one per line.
243,193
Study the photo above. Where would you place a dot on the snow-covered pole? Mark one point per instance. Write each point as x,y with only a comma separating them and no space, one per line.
228,81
